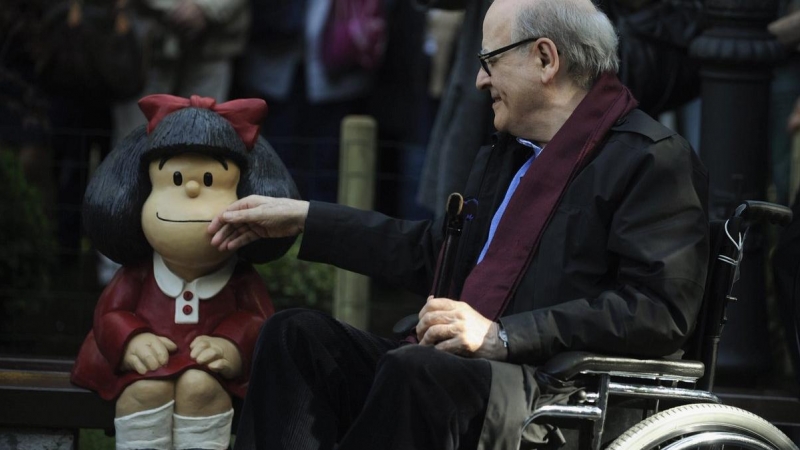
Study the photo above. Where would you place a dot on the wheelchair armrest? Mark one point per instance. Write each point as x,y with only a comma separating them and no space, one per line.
565,366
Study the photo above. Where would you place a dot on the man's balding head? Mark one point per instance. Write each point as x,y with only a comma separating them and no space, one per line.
585,37
543,57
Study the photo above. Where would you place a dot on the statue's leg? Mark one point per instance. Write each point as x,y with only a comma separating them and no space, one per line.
203,413
144,416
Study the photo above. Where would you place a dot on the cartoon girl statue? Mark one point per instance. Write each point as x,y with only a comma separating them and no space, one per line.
174,330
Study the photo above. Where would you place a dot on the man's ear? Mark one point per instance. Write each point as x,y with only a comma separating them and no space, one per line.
548,59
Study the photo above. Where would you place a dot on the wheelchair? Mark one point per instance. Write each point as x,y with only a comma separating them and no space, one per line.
673,398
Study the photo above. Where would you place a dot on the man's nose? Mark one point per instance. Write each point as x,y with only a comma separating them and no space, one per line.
483,80
192,189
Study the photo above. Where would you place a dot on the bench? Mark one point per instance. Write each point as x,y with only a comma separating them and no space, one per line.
40,408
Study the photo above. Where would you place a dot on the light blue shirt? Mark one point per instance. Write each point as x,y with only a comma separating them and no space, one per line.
511,189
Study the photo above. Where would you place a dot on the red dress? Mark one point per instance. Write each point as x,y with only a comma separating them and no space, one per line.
133,303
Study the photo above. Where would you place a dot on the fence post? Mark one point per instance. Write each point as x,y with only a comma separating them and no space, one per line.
357,154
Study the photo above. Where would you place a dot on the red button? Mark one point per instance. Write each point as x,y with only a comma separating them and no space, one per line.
188,295
187,310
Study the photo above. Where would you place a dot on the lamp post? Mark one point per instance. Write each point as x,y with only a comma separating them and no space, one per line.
737,55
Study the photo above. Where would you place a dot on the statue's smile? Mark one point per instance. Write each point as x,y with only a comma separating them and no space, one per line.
181,221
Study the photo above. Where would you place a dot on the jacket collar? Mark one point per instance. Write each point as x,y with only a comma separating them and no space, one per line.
204,287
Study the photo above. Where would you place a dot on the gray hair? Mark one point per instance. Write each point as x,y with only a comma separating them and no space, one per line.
585,38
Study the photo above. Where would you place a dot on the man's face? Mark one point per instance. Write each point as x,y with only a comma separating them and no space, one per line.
188,191
512,84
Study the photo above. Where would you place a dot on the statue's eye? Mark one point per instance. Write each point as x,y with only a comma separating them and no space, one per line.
177,178
208,179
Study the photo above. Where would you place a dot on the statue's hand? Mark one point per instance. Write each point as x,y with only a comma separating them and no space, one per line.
218,354
147,351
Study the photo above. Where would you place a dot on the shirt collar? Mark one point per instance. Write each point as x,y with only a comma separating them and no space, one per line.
204,287
536,149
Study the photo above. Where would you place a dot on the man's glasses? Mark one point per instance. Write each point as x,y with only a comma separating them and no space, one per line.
484,57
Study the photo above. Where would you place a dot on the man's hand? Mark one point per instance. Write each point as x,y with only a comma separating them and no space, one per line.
455,327
256,217
147,351
218,354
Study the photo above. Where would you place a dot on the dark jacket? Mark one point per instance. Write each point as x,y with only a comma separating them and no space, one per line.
620,268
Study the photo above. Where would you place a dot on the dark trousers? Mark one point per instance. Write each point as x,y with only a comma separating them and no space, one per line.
317,383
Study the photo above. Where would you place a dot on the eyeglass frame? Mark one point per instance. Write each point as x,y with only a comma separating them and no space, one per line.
482,57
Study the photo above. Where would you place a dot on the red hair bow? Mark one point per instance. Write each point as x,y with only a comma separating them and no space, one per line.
244,114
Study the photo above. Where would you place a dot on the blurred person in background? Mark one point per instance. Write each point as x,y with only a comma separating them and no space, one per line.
785,93
190,46
283,64
464,120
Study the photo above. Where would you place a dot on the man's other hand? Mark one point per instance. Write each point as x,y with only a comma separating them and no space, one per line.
455,327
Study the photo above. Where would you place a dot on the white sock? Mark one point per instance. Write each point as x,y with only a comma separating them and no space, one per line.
151,429
207,433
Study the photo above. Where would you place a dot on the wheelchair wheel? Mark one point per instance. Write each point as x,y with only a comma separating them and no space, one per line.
703,426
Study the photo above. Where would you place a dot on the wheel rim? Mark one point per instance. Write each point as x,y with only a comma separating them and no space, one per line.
707,430
719,438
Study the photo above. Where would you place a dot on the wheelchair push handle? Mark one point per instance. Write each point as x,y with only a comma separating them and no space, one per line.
756,210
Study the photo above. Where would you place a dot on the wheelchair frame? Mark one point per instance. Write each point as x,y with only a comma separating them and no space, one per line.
676,381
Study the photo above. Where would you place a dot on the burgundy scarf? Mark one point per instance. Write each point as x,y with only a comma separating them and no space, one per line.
494,281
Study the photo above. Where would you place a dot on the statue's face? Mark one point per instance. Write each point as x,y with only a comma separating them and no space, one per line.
188,191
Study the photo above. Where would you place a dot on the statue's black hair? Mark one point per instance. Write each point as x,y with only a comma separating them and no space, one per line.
112,208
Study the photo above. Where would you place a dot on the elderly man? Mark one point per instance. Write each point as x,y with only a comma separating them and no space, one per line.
590,234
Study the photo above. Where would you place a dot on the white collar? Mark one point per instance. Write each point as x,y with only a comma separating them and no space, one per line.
204,287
